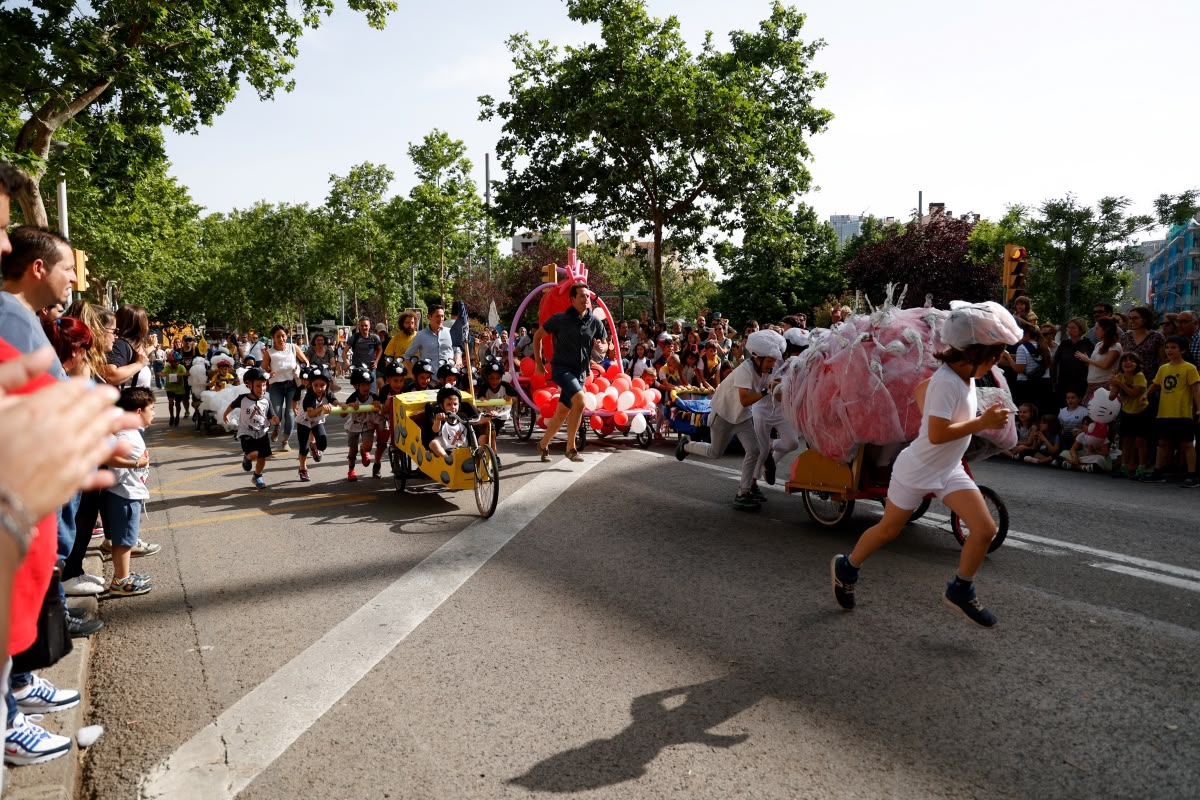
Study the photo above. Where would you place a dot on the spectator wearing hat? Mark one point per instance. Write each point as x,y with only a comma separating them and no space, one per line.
381,330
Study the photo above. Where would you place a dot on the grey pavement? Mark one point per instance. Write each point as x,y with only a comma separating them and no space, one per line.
638,638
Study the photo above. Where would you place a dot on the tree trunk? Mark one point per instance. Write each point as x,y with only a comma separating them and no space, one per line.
33,205
660,300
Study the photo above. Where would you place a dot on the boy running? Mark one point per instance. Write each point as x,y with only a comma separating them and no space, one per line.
255,419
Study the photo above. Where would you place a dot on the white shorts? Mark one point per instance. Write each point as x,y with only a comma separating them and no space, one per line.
909,497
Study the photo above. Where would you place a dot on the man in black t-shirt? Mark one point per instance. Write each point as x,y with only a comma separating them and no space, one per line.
574,331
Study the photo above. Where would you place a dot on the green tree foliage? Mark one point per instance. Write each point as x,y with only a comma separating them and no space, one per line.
985,244
930,260
785,264
356,250
1177,209
124,69
638,130
1081,255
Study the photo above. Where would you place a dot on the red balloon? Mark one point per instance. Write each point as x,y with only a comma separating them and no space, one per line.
608,425
622,383
527,366
613,371
620,419
537,381
601,385
655,395
597,423
541,397
541,422
638,383
639,397
547,408
609,403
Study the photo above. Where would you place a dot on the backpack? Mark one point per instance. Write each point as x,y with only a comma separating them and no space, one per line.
1035,367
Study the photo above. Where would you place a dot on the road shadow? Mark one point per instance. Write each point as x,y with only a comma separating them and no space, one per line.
657,723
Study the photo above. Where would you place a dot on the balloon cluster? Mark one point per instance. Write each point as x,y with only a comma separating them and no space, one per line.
612,398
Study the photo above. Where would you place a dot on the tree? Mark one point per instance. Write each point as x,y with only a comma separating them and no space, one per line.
1177,209
124,69
1081,255
639,130
785,264
354,211
929,259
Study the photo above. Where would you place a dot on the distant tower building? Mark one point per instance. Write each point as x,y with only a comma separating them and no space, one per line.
846,225
1140,292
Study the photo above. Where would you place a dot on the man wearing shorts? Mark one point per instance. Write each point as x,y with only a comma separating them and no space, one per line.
574,331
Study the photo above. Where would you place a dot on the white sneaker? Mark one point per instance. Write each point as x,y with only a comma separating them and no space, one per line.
26,742
81,587
94,579
144,548
42,697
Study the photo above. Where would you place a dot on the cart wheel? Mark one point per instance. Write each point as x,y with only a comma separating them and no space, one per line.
826,511
487,480
921,509
524,419
645,438
999,513
400,468
581,437
212,429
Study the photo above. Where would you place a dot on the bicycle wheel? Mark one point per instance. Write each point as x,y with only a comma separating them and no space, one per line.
645,438
487,480
999,513
581,437
400,468
826,511
524,419
921,509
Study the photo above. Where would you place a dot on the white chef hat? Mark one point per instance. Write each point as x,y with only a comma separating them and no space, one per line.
979,323
765,343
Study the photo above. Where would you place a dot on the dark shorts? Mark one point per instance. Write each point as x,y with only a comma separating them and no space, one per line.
1136,426
260,445
569,383
1175,429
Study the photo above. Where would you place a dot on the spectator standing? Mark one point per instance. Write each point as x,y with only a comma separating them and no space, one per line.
1099,311
381,330
364,349
1070,374
1179,385
320,354
1185,326
401,340
1102,362
37,273
1143,340
434,344
282,362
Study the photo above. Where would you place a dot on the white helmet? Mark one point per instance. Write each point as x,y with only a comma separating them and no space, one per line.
765,344
796,337
979,323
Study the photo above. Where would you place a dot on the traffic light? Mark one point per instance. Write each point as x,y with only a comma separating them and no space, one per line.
550,273
81,271
1016,269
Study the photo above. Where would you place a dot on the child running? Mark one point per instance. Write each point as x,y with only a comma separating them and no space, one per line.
361,425
255,419
932,464
175,374
310,424
122,504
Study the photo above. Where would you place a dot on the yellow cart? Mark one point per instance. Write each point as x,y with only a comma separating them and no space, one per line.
473,467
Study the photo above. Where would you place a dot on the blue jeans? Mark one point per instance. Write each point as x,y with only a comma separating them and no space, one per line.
281,404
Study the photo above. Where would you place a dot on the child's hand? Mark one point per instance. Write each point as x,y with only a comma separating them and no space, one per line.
274,420
995,416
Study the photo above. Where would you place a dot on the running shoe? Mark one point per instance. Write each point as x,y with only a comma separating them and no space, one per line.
78,587
366,458
80,627
27,743
42,697
966,603
844,579
285,447
545,453
129,586
275,432
1154,477
304,475
680,448
316,455
769,469
573,455
259,483
1190,482
351,475
757,494
744,502
144,548
247,464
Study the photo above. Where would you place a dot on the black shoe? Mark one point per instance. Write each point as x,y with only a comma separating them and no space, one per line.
1190,482
757,495
1154,477
844,578
744,502
81,628
966,603
77,613
769,469
680,452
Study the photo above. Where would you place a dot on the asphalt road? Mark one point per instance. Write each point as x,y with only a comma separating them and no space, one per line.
618,631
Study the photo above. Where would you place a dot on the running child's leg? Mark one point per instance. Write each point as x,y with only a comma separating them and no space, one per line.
960,592
887,529
302,436
721,432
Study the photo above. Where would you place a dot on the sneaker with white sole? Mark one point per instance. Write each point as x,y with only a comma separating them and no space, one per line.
144,548
79,587
27,743
43,697
100,579
964,601
129,586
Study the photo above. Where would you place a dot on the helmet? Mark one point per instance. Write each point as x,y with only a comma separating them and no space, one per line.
446,370
305,373
796,337
765,344
253,374
423,367
317,373
490,366
392,369
447,391
979,323
360,374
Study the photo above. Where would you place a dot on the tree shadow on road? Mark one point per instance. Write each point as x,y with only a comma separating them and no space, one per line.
657,723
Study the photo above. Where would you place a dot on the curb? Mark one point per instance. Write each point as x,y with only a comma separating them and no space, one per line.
60,779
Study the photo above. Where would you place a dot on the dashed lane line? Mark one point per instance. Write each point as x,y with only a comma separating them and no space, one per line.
227,755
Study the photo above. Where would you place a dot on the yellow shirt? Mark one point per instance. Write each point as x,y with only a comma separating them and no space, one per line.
398,344
1133,405
1175,382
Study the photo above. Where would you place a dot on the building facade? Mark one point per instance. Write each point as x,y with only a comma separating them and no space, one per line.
1174,270
846,225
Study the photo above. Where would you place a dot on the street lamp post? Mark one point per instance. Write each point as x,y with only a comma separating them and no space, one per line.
63,225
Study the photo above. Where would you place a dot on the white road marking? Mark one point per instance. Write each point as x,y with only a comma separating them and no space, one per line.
228,754
1178,583
1137,567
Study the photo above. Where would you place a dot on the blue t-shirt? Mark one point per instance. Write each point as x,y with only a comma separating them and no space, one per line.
21,328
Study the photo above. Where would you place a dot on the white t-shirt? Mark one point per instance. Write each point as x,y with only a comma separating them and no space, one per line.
283,363
1071,421
727,401
254,416
923,464
452,435
1097,374
131,481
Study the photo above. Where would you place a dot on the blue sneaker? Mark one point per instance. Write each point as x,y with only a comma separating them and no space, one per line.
966,603
844,578
27,743
259,483
42,697
247,464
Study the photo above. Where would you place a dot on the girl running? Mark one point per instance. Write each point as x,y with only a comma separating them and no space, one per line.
310,426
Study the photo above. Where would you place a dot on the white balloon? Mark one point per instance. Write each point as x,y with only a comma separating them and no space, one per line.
624,401
612,391
599,314
589,401
637,423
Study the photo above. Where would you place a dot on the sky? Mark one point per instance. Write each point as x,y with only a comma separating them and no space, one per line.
979,104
